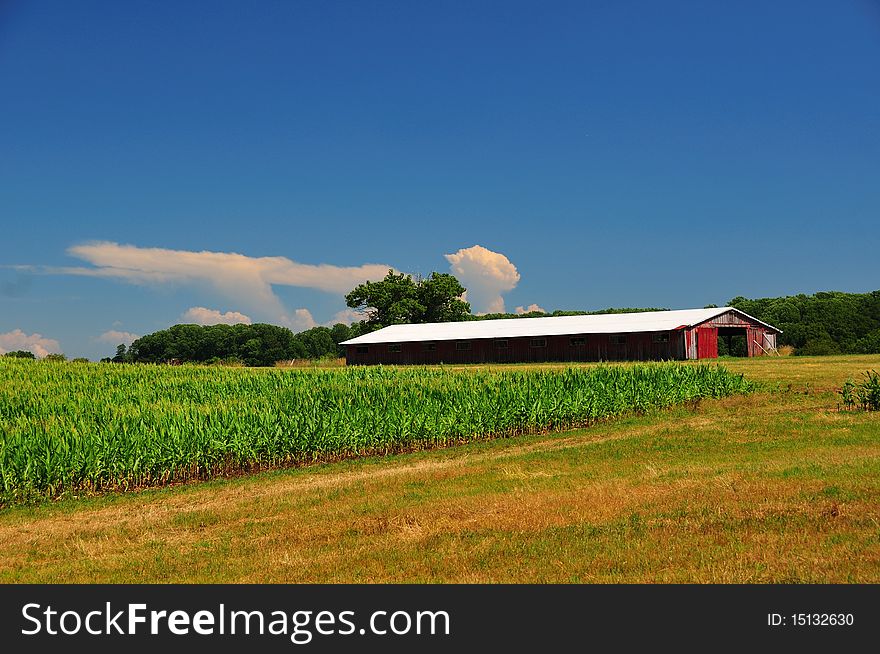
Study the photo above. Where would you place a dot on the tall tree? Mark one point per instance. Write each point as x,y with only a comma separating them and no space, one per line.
120,354
387,302
400,299
440,294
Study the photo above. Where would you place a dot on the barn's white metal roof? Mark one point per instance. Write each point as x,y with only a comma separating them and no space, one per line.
608,323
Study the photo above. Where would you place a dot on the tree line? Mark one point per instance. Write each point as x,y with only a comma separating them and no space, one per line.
823,323
259,344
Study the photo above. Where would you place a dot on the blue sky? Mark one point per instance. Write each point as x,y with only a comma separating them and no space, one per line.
162,161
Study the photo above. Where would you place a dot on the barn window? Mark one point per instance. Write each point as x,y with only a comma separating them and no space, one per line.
362,349
501,343
430,347
618,339
577,341
661,338
539,342
462,345
394,347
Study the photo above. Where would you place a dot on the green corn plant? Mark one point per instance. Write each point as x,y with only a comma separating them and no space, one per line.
869,391
848,394
97,428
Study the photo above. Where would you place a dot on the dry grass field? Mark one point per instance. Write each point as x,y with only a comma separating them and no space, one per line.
776,486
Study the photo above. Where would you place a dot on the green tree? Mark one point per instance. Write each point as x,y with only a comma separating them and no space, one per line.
20,354
317,342
342,332
870,344
440,295
120,354
252,352
828,322
388,302
400,299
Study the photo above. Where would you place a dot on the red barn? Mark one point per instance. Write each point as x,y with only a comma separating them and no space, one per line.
684,334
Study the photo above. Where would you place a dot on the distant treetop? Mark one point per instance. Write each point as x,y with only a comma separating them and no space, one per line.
21,354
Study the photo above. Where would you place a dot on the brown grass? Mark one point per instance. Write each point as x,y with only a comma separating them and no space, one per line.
311,363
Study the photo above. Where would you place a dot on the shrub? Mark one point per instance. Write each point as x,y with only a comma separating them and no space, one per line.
820,346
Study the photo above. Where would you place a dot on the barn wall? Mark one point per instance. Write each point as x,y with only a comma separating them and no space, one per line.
702,342
690,344
755,334
729,319
640,346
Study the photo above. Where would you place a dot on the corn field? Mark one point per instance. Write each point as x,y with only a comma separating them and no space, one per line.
84,428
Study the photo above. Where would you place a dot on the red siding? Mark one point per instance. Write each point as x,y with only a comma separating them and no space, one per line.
641,346
753,337
707,342
727,324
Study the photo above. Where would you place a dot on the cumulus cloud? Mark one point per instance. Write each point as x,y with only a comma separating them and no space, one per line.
247,280
301,319
486,275
298,321
346,317
115,337
36,343
205,316
529,309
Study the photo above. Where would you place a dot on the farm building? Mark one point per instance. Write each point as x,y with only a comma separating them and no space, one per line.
684,334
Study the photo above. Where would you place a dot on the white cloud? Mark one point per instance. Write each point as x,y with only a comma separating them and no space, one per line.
205,316
346,316
496,305
246,280
301,320
486,275
36,343
529,309
115,337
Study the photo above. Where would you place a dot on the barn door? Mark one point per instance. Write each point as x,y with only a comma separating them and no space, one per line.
707,342
752,336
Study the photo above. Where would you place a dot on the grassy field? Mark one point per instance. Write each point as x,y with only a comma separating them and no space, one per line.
775,486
